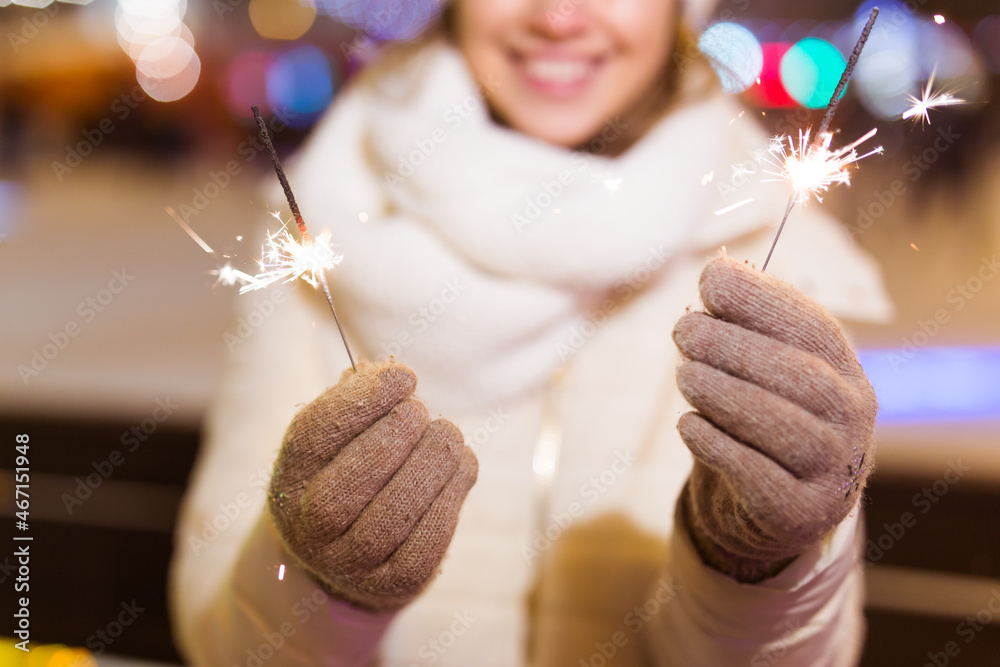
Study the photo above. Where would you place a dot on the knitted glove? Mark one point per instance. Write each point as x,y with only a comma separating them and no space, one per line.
366,489
782,436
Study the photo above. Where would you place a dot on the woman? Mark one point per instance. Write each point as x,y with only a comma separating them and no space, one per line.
526,209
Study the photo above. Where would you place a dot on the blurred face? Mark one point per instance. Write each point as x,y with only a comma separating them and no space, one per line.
566,67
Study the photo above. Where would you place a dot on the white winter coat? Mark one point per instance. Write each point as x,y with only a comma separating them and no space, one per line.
533,291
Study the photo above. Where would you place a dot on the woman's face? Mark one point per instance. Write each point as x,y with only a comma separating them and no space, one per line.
559,70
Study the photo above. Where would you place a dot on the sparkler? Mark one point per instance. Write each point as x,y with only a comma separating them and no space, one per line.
812,167
283,258
919,107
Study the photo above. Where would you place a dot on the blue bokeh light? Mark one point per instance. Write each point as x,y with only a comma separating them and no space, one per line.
300,85
935,384
735,55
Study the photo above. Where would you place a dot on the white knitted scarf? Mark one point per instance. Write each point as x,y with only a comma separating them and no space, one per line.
470,250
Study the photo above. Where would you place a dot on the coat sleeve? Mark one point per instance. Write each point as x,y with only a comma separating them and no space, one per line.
228,604
809,615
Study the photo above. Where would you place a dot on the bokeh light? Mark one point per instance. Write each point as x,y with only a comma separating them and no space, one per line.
770,92
171,77
810,71
300,85
735,55
246,82
153,34
393,20
944,48
282,19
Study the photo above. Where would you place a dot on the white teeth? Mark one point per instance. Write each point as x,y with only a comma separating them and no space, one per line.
557,71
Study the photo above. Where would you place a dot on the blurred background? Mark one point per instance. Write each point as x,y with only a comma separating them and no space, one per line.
125,128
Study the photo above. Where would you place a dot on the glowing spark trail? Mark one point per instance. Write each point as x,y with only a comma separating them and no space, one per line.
283,258
919,107
723,211
190,232
812,168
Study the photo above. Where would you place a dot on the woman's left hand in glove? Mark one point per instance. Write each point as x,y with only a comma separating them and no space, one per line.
782,436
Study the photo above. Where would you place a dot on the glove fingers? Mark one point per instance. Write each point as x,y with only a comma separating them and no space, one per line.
789,435
391,515
338,493
321,429
742,295
802,378
414,563
758,484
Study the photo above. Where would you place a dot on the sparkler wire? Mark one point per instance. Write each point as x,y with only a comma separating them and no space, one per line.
852,62
831,109
281,176
301,223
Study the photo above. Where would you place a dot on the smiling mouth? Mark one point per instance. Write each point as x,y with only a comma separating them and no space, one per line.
556,77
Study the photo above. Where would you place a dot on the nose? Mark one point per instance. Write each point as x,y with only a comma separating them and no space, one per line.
559,19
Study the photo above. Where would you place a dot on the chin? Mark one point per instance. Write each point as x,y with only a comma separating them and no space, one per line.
556,130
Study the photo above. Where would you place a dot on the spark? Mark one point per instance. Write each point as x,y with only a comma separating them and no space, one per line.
811,167
190,232
919,107
914,246
723,211
281,572
939,19
229,276
609,181
283,259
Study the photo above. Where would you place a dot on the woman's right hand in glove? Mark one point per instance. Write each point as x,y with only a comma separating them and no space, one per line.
367,489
